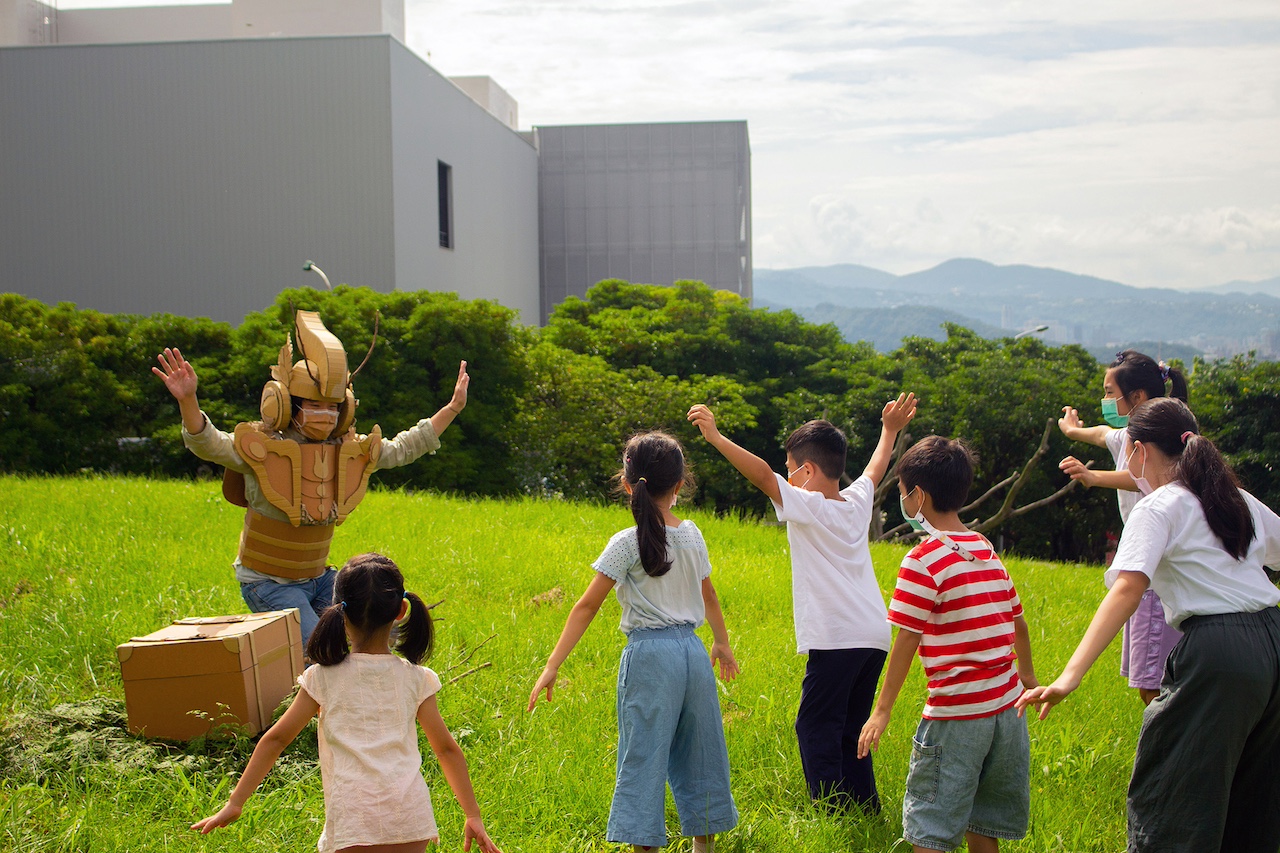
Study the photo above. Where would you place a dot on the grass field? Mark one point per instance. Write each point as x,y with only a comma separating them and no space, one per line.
88,563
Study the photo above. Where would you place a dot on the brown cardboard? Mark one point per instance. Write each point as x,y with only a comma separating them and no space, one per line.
234,670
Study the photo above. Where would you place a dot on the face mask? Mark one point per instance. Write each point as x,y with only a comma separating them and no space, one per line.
916,521
1111,415
316,425
1141,482
791,474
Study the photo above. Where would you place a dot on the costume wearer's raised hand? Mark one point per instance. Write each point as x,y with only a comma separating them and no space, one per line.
177,373
701,417
898,413
459,400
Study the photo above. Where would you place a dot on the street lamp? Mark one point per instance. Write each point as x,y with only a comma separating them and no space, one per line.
1037,330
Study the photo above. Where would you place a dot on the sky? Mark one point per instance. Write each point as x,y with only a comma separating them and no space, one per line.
1136,141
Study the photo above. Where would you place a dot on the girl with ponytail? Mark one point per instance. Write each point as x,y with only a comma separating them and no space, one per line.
375,799
669,723
1130,380
1205,774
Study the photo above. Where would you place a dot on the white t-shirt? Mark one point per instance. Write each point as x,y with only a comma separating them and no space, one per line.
835,596
1168,539
370,766
1118,444
675,598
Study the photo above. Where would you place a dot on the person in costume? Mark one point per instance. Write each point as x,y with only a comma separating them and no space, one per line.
302,469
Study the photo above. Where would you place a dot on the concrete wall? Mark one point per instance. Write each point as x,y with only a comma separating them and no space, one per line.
129,25
495,193
488,94
194,178
27,22
652,203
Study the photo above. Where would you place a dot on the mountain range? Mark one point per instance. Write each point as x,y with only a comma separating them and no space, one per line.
1000,301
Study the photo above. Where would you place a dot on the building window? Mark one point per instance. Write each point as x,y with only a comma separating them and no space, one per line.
444,187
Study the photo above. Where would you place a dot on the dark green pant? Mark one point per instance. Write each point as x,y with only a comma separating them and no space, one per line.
1207,774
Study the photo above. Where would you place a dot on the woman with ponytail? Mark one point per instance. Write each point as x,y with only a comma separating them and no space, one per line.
1131,380
375,799
1205,776
669,723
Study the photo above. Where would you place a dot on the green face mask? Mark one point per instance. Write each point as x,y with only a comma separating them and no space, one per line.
1111,416
916,521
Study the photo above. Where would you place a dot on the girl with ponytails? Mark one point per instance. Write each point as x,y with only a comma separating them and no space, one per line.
1130,380
375,799
669,723
1205,777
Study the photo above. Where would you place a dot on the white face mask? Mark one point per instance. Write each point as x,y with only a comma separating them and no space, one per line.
1144,486
791,474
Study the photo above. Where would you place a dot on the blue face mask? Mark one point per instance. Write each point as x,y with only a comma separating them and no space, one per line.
1111,415
916,521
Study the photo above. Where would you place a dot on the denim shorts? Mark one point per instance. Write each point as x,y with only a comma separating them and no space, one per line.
669,730
311,597
968,776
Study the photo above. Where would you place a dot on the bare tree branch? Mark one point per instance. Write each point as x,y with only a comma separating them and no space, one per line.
474,649
471,671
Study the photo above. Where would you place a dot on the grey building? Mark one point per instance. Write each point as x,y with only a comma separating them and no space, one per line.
651,203
193,169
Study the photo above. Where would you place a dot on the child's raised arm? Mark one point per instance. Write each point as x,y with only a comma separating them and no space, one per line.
180,378
575,626
720,649
894,418
441,419
904,650
755,469
454,766
264,757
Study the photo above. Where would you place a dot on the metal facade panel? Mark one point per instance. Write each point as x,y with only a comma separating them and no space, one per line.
194,178
651,203
495,192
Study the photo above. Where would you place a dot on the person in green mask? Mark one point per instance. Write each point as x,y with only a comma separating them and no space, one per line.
1130,380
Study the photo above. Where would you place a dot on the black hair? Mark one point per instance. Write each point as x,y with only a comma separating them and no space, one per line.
822,443
652,464
368,592
1169,425
941,466
1137,372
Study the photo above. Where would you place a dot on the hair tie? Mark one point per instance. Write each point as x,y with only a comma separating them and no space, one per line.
1186,436
1164,371
342,605
643,480
406,595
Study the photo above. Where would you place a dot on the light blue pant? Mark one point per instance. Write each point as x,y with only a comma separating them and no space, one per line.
311,597
669,730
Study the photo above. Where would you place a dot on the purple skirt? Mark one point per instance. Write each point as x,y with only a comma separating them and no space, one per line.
1148,639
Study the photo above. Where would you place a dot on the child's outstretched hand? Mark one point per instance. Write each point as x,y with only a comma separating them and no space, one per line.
1069,421
228,815
473,830
1077,470
898,413
459,400
869,740
729,668
547,682
701,417
178,374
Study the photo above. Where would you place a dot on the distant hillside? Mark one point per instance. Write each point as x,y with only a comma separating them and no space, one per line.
1096,313
1268,287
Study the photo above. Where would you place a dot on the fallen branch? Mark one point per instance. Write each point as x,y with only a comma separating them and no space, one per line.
474,649
471,671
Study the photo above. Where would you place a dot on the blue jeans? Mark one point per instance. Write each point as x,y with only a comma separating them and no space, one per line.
311,597
669,729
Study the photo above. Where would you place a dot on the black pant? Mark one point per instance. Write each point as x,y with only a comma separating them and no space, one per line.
835,701
1205,777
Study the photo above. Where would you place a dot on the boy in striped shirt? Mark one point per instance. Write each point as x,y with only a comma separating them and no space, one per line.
955,604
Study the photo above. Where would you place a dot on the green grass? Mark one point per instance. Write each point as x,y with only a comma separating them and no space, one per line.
86,564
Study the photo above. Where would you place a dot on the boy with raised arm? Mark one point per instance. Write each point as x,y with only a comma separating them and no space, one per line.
838,608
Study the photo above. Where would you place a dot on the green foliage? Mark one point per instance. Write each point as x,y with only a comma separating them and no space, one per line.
1236,401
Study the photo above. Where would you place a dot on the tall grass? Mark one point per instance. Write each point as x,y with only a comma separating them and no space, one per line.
85,564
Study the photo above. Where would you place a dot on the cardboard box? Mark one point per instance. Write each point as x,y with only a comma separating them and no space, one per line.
221,670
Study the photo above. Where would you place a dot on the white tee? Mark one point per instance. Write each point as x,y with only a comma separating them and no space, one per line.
835,596
675,598
370,766
1118,444
1168,539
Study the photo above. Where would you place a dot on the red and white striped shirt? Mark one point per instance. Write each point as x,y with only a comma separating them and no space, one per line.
964,612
